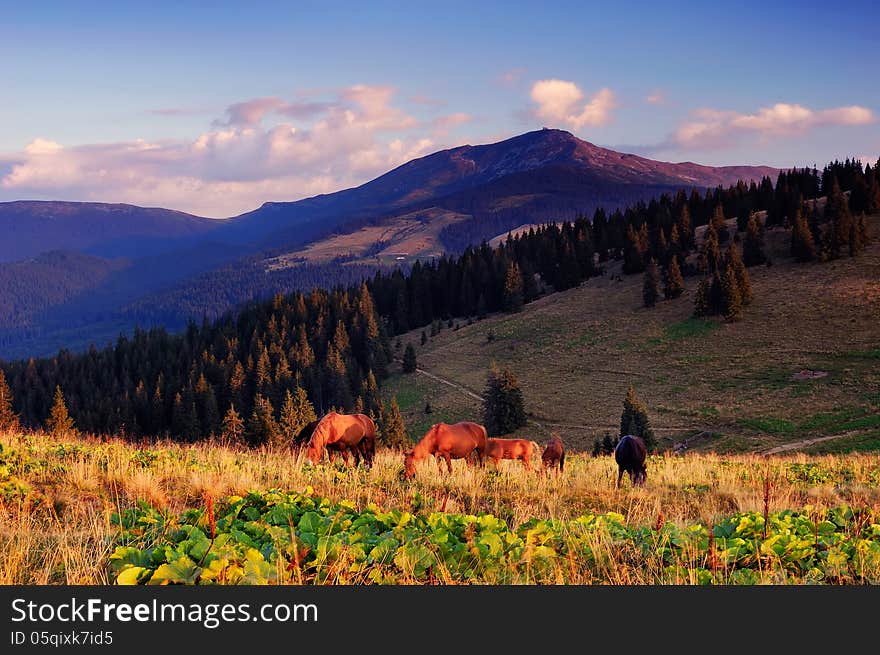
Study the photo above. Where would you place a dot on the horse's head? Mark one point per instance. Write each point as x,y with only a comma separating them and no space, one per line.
315,448
639,476
409,464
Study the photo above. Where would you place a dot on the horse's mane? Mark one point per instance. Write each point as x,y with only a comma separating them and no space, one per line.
318,436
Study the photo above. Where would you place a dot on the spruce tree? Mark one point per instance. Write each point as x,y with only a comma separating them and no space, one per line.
674,285
60,424
262,427
731,298
702,302
753,246
634,419
409,359
232,429
651,285
733,261
803,248
8,418
513,289
288,423
503,407
838,215
391,426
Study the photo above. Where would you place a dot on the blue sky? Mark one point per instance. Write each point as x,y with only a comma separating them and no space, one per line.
217,107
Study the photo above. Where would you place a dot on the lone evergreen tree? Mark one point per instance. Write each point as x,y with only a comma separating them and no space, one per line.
233,427
391,426
60,423
674,286
734,262
409,359
753,246
803,247
8,417
731,299
503,407
634,420
651,284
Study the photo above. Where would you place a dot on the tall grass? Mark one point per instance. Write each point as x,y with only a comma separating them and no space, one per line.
57,499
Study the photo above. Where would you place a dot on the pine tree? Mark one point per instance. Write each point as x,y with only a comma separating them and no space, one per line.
288,424
710,253
60,424
702,301
734,262
731,299
838,215
233,427
634,419
513,289
8,418
262,427
674,286
753,246
651,285
803,248
391,426
409,359
503,407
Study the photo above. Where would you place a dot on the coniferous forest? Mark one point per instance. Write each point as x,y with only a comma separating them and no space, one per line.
333,346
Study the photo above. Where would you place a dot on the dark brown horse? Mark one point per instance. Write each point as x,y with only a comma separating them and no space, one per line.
343,432
444,441
630,454
521,449
554,454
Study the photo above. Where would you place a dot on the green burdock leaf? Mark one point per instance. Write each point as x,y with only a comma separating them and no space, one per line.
133,575
181,571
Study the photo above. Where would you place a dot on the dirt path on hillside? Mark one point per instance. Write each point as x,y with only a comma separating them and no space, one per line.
471,394
794,445
448,383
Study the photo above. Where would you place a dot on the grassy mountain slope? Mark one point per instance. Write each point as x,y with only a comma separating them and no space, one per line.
575,353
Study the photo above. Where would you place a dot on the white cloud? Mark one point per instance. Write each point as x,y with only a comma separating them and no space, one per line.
715,128
239,163
560,102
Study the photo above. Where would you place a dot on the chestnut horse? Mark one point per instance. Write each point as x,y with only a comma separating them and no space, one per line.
554,454
344,432
521,449
444,441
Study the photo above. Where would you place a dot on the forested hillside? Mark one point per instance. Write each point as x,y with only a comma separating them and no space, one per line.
333,345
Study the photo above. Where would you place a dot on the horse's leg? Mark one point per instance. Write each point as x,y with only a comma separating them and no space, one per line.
344,451
525,461
619,476
449,463
439,460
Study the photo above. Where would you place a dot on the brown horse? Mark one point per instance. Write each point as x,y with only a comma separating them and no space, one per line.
344,432
554,454
630,454
521,449
444,441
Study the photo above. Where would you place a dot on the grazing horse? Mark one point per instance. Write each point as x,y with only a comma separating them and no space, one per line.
630,454
554,454
521,449
444,441
366,448
343,432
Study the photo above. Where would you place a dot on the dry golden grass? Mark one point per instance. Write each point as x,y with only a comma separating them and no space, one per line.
576,352
61,532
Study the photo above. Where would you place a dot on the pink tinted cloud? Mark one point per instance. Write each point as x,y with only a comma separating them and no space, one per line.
561,102
232,167
511,76
716,128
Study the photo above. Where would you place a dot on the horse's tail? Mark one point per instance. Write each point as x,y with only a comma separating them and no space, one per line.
562,462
